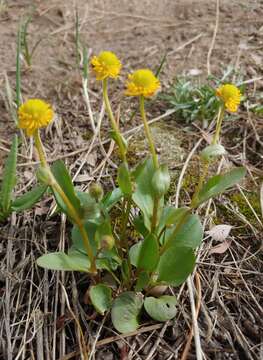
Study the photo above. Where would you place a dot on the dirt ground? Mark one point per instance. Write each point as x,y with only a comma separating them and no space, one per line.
38,321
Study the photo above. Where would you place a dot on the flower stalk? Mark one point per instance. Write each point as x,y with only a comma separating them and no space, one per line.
40,149
148,133
73,213
154,158
114,124
219,122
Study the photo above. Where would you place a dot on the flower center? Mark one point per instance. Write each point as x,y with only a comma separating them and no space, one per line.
144,78
107,58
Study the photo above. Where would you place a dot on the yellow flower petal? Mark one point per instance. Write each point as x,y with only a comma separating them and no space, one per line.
34,114
106,65
142,82
230,95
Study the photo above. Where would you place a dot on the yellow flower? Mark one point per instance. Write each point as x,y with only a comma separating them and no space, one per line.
106,65
230,95
34,114
142,82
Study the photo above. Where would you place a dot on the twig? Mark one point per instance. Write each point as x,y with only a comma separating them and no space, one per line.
85,148
261,199
83,352
151,353
9,257
198,305
180,180
62,274
96,133
120,337
198,348
182,46
93,349
87,101
213,39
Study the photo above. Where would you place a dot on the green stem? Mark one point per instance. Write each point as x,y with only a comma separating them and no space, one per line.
75,217
155,214
220,118
88,248
154,157
206,164
114,124
27,53
125,218
123,238
18,68
40,149
200,183
148,133
115,277
73,213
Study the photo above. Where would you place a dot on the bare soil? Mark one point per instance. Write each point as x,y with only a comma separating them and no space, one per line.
41,309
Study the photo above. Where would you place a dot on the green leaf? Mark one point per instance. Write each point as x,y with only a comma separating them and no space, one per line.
139,226
125,312
74,261
63,178
118,138
27,200
109,262
190,233
212,151
102,230
175,265
77,240
219,183
111,198
101,297
90,207
161,180
171,216
2,216
149,253
161,309
44,175
134,253
125,271
143,281
144,193
96,191
107,259
9,178
124,179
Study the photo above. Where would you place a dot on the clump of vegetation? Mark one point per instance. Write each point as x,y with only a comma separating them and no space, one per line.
154,244
8,203
257,106
194,101
240,201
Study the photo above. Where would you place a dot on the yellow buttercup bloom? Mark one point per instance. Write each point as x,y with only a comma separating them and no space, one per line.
230,95
142,82
34,114
106,65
